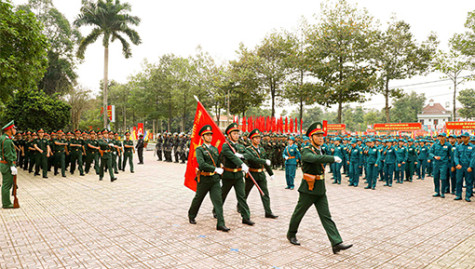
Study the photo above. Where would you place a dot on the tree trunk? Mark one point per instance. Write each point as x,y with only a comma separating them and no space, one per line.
301,112
454,115
104,92
386,96
340,109
272,93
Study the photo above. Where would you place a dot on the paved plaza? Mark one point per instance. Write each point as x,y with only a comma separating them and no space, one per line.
140,221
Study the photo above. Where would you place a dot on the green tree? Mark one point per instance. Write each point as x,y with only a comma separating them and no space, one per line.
407,107
399,56
339,54
467,99
60,76
33,109
79,99
23,51
109,19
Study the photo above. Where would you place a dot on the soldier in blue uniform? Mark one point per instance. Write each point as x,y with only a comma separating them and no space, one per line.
451,173
411,160
422,157
389,162
464,157
354,162
401,158
373,155
337,150
440,156
291,155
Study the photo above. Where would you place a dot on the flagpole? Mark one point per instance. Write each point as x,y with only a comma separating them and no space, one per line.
248,173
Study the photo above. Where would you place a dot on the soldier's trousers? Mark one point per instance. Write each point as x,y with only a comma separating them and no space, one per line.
354,174
60,162
76,156
31,162
26,161
381,171
235,180
7,184
140,153
440,174
388,173
469,177
114,162
211,185
410,167
263,185
88,160
159,154
106,162
421,168
372,175
399,175
183,156
41,161
128,155
337,172
451,181
120,162
321,204
176,155
290,174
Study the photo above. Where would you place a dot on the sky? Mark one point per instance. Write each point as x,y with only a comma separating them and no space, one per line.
218,26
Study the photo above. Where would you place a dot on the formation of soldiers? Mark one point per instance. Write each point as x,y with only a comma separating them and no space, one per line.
41,152
176,145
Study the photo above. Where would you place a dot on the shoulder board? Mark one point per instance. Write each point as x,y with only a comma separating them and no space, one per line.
307,147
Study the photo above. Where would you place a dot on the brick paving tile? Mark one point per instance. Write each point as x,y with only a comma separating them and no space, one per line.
140,221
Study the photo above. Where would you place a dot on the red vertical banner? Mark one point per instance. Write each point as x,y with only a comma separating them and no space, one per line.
243,127
286,125
324,127
301,123
249,124
296,126
140,128
291,125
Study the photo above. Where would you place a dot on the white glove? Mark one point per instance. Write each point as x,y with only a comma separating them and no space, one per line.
14,171
268,162
219,170
286,158
272,177
337,159
245,168
239,155
110,145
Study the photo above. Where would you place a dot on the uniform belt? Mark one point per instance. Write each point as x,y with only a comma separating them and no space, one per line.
311,180
234,170
207,174
291,157
5,162
256,170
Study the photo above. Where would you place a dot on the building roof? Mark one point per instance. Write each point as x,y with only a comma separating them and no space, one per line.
434,109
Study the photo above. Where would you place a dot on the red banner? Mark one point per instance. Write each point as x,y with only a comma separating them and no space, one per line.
201,118
412,126
325,127
140,128
336,127
460,125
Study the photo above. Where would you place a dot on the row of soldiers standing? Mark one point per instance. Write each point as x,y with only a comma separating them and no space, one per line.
176,144
101,151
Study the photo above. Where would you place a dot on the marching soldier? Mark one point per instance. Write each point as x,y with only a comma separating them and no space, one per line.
440,156
105,147
354,162
76,153
373,162
291,156
139,147
91,153
411,160
422,156
42,154
59,145
256,158
464,155
231,154
128,152
208,179
337,150
7,162
176,143
389,162
158,147
401,158
312,190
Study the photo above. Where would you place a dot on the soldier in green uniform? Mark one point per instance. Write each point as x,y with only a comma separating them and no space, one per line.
312,189
32,152
42,154
129,151
256,158
119,151
231,155
7,162
59,146
208,179
114,151
105,147
90,152
76,153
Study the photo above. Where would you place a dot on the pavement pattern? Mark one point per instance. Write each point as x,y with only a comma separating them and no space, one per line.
140,221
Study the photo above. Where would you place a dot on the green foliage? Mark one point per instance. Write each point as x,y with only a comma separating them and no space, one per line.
33,109
467,99
339,54
407,107
23,53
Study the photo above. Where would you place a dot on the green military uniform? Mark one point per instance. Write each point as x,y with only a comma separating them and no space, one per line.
256,158
312,164
119,152
8,158
232,176
76,153
40,157
128,154
59,155
106,158
207,157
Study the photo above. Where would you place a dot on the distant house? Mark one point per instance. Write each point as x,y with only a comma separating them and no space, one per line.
434,116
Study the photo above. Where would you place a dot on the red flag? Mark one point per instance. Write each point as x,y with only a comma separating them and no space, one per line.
291,125
296,125
140,128
243,127
249,123
301,123
201,118
324,127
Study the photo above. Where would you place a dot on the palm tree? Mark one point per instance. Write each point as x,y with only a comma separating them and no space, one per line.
109,19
